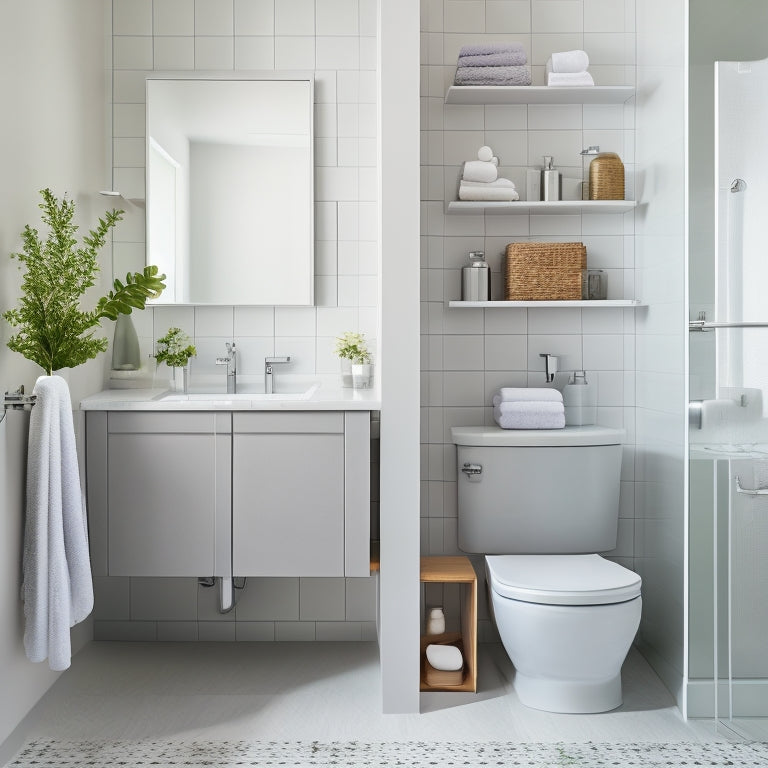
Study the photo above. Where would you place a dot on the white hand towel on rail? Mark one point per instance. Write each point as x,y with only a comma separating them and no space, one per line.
487,193
480,170
568,61
523,394
570,79
57,589
530,415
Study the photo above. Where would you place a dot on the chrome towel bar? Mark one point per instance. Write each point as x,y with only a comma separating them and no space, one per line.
17,401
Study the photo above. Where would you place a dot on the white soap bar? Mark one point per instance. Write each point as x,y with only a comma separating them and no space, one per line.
445,657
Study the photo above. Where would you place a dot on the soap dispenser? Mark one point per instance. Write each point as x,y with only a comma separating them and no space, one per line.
550,181
579,401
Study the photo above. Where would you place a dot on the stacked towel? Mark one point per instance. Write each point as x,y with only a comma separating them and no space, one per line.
480,180
568,68
57,588
523,408
492,64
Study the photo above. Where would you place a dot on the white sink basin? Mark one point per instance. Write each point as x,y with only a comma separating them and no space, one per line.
305,393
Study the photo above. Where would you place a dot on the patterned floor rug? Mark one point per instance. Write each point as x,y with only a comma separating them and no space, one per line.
227,754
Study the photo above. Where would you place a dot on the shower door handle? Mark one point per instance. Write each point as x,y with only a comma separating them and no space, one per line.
747,491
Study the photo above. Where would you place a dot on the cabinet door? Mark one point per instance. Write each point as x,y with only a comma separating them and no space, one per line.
288,501
167,477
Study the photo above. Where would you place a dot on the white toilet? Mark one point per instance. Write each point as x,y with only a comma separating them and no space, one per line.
538,504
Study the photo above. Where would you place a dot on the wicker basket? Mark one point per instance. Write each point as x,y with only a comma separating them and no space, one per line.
544,271
606,177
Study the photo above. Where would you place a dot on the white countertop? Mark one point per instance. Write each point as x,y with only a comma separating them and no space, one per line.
322,399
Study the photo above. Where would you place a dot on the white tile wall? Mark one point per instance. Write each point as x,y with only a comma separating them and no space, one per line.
337,40
468,354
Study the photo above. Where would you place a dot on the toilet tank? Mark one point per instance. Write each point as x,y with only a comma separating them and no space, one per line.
551,491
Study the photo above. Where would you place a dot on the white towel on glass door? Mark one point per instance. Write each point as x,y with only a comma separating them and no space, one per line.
57,587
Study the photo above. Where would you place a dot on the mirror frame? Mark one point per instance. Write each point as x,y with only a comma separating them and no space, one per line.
229,76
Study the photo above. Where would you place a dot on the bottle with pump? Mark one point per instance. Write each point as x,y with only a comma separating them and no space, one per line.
579,401
476,278
551,181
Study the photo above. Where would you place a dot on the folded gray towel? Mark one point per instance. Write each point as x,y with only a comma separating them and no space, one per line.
483,49
492,76
504,59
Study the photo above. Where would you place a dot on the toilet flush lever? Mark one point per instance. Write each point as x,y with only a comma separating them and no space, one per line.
471,469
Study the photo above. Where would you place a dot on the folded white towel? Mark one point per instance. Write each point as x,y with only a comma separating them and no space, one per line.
570,79
487,193
568,61
530,415
486,154
490,184
57,589
479,170
528,394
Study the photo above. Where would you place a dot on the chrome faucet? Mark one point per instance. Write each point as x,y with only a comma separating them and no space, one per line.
231,362
268,363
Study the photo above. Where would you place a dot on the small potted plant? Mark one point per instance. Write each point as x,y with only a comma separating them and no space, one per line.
352,350
174,349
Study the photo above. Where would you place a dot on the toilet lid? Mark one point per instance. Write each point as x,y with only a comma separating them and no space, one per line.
561,579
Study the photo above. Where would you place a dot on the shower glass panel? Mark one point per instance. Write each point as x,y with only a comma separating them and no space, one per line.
728,507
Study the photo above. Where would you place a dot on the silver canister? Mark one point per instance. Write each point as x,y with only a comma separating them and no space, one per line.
476,278
551,181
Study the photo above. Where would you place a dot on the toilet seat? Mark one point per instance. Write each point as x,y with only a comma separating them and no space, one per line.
561,579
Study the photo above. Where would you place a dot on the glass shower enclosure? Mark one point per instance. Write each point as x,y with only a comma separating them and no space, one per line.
728,424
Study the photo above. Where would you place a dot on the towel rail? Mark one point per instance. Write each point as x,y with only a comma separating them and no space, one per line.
17,401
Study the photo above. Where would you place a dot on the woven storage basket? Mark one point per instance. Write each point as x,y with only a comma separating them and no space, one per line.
606,177
544,271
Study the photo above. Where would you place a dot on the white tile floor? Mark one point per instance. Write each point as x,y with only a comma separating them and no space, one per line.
320,691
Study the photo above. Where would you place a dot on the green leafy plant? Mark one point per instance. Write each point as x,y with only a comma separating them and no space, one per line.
352,346
174,348
53,330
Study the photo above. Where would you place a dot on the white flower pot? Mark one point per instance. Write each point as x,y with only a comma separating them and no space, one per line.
361,376
346,372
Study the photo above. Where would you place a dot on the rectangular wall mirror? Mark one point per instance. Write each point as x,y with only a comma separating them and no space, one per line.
230,189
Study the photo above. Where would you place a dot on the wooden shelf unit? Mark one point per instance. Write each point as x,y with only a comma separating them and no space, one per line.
454,570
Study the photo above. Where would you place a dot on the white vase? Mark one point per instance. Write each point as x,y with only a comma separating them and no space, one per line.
346,372
180,380
361,376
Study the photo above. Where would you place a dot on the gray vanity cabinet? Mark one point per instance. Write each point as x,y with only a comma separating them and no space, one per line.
300,492
244,493
164,481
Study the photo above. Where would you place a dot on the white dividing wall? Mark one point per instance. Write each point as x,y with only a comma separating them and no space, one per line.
337,40
398,161
52,56
661,345
469,353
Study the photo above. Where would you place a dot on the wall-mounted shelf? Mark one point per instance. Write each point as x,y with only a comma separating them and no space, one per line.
524,207
455,570
583,304
538,94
